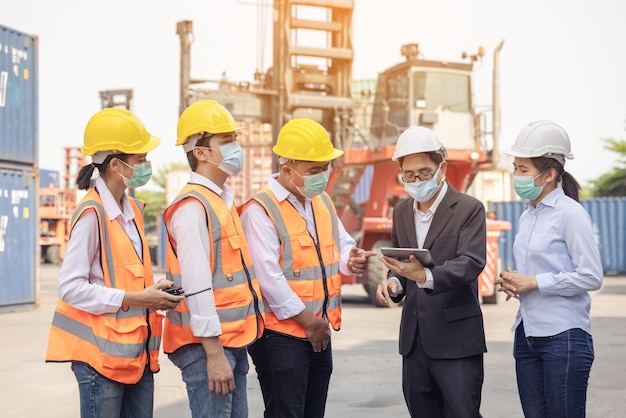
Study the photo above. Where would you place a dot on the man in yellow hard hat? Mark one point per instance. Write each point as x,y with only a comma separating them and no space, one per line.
207,255
299,248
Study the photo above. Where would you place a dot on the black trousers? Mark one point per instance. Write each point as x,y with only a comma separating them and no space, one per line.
294,379
435,388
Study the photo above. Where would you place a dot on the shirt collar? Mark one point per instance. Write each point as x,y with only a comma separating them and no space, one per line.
227,194
279,191
110,205
551,198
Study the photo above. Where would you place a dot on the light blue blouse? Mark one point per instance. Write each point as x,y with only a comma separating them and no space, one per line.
556,243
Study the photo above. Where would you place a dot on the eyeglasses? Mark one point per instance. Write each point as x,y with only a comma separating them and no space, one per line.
411,177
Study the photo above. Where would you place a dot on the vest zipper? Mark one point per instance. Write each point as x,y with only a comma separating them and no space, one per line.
257,310
324,282
148,339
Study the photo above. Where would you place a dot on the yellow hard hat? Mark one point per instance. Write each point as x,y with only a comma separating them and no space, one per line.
303,139
117,130
204,116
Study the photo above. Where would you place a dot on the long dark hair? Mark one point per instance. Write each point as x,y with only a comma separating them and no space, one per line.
83,179
570,185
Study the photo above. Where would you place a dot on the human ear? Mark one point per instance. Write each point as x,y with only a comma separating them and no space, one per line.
198,152
551,175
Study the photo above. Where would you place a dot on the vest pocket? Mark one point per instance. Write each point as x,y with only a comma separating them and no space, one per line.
125,341
130,277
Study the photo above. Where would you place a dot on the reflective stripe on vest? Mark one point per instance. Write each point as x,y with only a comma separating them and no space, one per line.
237,293
115,344
318,284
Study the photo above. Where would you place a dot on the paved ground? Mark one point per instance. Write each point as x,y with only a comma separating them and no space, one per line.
366,381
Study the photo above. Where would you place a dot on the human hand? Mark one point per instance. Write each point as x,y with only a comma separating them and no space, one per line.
513,283
153,297
385,289
219,373
359,259
318,333
411,269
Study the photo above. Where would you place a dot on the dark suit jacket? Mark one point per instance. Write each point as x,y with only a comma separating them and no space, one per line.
448,318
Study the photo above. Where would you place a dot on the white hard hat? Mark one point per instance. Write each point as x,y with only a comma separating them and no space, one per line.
542,138
417,139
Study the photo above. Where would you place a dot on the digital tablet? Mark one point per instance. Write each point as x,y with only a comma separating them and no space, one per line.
421,254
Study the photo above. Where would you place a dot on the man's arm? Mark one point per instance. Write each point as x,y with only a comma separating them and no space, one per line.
470,255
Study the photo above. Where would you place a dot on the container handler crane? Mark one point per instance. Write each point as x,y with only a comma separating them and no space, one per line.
316,82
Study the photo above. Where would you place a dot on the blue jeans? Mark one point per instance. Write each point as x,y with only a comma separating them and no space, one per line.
294,379
192,362
553,372
102,397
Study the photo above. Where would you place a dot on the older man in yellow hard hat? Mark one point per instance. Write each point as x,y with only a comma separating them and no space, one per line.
299,248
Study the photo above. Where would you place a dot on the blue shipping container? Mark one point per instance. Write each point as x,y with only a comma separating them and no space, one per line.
18,97
19,239
608,216
49,178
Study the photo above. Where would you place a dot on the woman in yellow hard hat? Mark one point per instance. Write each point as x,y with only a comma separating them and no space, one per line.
105,321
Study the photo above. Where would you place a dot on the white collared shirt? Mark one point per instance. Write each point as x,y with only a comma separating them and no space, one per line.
81,281
422,221
188,228
264,247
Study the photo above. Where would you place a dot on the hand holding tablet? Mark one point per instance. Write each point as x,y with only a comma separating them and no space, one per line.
423,255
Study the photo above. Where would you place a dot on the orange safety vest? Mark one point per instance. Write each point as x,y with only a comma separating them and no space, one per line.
234,284
311,270
115,344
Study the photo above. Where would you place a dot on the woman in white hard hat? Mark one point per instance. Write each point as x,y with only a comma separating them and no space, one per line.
105,321
557,264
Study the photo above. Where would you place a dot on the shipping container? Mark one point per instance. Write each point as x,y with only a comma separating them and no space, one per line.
18,98
608,216
49,178
19,239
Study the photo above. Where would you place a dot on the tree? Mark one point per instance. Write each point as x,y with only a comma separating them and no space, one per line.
155,205
155,200
159,177
612,183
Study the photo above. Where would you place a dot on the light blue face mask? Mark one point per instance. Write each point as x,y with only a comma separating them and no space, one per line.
525,187
313,184
232,158
423,191
141,174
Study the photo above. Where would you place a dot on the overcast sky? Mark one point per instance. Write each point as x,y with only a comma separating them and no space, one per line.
562,60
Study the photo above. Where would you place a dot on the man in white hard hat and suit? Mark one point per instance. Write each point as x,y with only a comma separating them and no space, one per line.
442,338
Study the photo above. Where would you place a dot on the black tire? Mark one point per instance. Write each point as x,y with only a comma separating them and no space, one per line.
53,254
376,272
